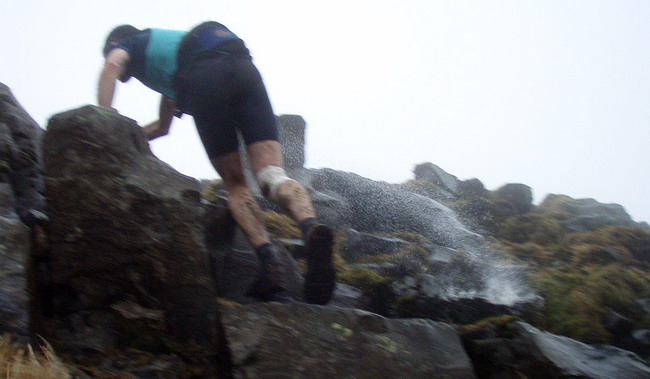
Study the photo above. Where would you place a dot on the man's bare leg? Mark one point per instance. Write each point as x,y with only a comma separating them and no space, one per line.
241,202
320,279
248,215
291,196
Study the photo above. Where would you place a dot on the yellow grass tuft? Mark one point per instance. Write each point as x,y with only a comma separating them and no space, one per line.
18,360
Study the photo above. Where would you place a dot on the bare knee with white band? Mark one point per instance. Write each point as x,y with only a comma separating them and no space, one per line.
269,179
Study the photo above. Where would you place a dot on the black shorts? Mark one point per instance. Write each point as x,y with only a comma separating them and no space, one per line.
225,93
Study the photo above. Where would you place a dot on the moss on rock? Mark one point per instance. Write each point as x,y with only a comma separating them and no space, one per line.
532,227
376,287
497,322
281,226
213,190
577,301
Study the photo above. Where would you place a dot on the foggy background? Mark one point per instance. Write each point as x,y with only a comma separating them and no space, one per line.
552,94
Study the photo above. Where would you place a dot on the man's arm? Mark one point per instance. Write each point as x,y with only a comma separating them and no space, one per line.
161,127
113,68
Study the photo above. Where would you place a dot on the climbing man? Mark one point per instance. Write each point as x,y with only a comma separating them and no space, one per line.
208,73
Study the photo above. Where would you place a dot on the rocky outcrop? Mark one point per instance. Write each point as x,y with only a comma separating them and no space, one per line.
291,130
586,215
127,240
235,263
466,291
430,172
14,257
370,206
20,158
301,341
137,261
520,195
358,245
21,204
442,284
518,349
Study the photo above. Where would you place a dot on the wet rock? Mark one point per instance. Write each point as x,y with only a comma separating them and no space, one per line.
457,310
21,205
472,188
520,195
376,207
643,305
460,293
20,159
372,208
125,227
584,224
434,174
236,264
518,349
639,342
619,326
349,297
7,154
291,129
14,295
359,244
286,341
588,214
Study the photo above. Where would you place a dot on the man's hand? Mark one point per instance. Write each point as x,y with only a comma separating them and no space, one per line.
166,114
114,67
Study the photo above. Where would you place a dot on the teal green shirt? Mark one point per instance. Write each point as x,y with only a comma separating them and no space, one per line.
161,61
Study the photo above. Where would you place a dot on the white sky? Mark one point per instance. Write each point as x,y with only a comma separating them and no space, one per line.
552,94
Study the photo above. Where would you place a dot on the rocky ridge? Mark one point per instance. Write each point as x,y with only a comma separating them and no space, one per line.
137,262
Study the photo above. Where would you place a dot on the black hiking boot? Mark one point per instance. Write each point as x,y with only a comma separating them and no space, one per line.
270,278
321,277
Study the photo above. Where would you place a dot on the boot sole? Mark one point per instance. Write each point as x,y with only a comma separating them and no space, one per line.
320,280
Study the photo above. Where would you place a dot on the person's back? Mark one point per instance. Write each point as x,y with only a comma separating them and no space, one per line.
209,74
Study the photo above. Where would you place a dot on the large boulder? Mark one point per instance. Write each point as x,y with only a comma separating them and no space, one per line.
464,290
21,204
358,245
587,215
474,275
305,341
520,195
20,158
14,294
127,239
517,349
371,206
235,262
291,129
432,173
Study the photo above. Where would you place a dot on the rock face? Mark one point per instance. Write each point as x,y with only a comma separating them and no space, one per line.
291,130
348,201
358,245
235,262
301,341
520,195
14,296
520,350
21,187
370,206
20,156
126,234
137,260
588,214
431,173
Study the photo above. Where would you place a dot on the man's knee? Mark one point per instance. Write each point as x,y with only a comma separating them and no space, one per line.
269,179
